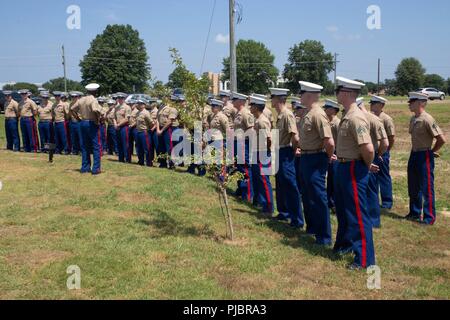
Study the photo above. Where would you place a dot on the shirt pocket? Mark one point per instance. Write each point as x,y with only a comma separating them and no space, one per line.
344,130
308,126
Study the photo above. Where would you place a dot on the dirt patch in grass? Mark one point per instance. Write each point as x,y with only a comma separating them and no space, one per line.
14,231
36,258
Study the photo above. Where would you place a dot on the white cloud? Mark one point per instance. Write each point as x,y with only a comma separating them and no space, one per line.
111,16
223,39
332,29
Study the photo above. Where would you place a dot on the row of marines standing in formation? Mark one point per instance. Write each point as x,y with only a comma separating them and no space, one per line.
324,163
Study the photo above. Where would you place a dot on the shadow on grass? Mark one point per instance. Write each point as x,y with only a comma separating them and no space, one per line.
294,238
164,225
391,214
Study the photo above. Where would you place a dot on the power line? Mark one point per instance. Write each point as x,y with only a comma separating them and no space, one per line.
207,37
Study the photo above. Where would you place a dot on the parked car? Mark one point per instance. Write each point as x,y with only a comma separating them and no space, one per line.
137,96
16,96
433,93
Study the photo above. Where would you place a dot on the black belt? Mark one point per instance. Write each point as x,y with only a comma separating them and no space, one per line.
45,120
11,118
421,150
345,160
307,152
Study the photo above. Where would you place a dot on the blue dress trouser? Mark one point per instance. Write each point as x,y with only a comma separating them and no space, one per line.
262,187
45,133
165,146
143,146
287,195
103,138
385,182
244,186
131,143
314,169
112,140
153,145
332,167
123,143
373,198
12,134
354,225
61,138
75,137
421,186
29,134
90,144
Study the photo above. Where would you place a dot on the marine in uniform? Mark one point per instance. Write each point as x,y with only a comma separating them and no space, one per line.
167,119
45,115
287,192
316,151
355,154
27,111
377,105
228,108
12,116
122,115
103,129
90,113
380,145
424,130
74,124
153,109
243,123
261,163
111,136
60,116
132,126
144,124
332,109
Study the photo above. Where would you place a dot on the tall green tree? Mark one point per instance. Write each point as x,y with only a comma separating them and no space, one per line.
179,76
410,75
435,81
22,85
117,60
58,85
307,61
256,71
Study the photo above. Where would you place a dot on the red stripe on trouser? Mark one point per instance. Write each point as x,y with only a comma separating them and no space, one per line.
127,141
33,137
358,213
147,141
66,129
430,194
99,143
266,188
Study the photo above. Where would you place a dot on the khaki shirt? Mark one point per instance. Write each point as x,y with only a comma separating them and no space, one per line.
335,128
74,116
377,132
122,112
144,121
244,120
423,130
167,114
354,131
314,128
269,115
12,109
388,123
263,132
46,112
133,116
60,111
218,125
110,116
230,111
207,113
287,126
27,108
88,108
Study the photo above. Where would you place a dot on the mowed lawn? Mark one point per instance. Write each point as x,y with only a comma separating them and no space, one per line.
141,233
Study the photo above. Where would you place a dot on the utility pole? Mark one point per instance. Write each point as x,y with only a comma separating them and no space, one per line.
335,69
233,71
379,71
64,66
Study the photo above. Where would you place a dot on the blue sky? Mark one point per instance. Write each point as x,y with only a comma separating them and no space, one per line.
33,32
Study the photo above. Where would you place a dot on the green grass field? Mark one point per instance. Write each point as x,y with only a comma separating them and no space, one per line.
140,233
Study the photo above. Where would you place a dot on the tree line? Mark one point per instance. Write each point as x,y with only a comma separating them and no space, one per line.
118,59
